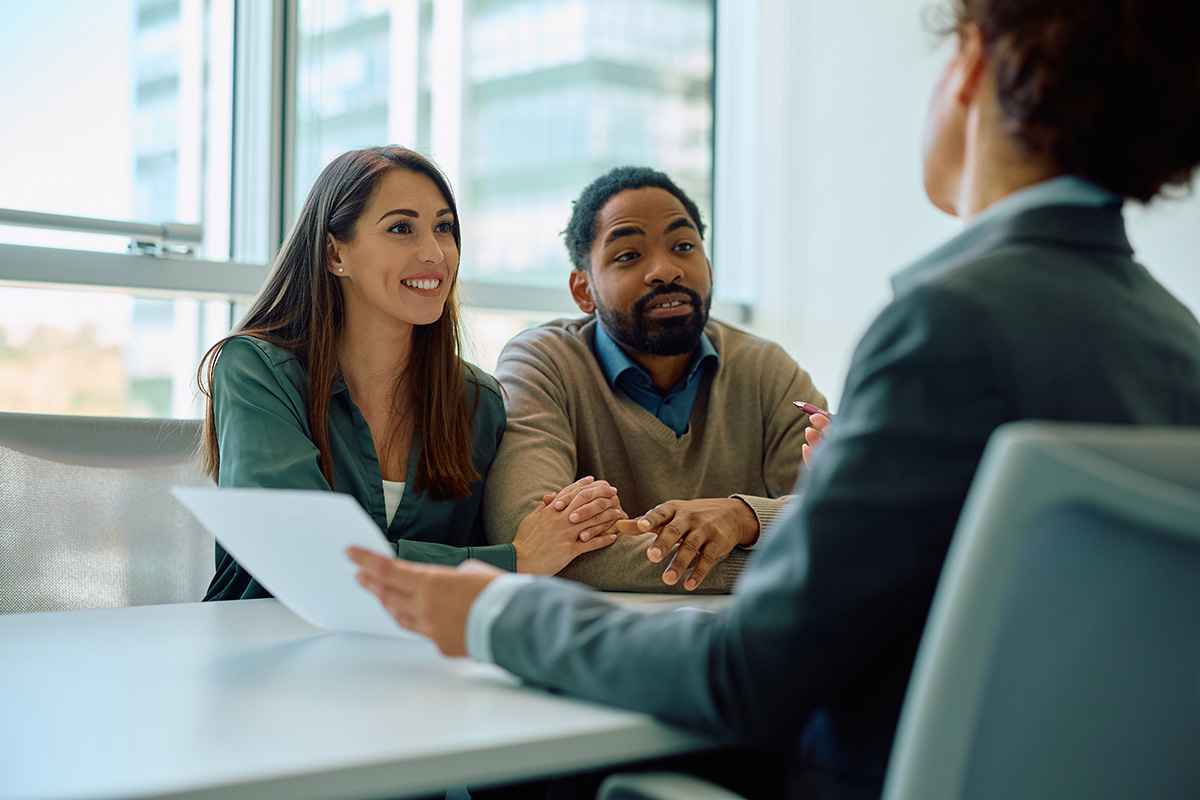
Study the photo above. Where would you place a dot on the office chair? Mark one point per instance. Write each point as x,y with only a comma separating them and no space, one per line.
1061,657
86,518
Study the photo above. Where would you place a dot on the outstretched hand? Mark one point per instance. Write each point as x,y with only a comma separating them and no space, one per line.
704,530
428,599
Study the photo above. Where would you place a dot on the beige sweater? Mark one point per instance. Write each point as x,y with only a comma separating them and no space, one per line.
564,422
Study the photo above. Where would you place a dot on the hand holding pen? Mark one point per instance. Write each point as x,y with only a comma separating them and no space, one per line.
820,419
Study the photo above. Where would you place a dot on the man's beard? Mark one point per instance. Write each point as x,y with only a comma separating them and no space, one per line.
668,336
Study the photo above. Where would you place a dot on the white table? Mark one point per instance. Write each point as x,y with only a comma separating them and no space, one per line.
245,700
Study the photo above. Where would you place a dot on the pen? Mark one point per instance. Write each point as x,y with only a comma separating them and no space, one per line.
809,408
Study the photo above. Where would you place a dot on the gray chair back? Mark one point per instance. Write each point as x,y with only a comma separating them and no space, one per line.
86,516
1061,658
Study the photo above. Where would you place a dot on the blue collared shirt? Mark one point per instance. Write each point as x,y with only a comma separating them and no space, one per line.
672,408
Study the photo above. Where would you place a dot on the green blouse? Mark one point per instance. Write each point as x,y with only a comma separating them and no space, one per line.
265,441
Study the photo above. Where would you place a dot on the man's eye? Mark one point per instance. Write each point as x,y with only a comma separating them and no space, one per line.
626,257
685,246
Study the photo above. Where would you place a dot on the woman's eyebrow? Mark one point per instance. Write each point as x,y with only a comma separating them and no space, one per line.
408,212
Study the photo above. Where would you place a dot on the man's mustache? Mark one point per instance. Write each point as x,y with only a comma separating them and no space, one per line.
640,305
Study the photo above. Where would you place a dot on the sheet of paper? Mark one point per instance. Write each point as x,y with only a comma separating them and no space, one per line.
294,543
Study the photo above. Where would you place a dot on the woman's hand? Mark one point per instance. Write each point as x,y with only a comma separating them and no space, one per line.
812,436
591,503
566,525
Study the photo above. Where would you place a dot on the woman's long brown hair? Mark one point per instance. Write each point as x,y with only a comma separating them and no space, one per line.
300,309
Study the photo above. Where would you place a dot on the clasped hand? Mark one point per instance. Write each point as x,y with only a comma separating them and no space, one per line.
577,519
703,531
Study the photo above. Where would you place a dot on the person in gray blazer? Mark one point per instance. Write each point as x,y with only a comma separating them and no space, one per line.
1046,118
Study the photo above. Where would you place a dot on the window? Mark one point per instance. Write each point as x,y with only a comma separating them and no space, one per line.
521,102
121,118
130,110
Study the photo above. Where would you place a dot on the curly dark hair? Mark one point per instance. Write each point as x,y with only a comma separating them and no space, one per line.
581,228
1108,89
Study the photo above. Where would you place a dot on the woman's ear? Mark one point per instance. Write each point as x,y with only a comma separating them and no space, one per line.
581,291
333,255
972,62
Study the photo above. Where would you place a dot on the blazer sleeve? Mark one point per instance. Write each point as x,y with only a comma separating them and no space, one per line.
845,579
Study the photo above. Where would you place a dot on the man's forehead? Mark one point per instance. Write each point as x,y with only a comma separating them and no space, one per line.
648,205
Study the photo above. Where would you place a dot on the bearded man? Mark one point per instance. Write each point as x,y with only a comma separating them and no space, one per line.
690,419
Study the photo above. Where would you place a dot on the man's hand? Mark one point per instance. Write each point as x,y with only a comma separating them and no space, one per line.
812,436
428,599
705,530
551,537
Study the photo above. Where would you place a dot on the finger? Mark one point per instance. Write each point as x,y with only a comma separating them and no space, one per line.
547,499
671,573
601,523
392,601
365,558
590,505
668,536
806,454
686,553
569,491
389,572
812,436
629,527
704,564
598,543
820,422
656,517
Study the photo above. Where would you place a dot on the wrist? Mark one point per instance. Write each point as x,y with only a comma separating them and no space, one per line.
747,523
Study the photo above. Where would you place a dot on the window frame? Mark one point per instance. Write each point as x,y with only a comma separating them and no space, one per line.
264,79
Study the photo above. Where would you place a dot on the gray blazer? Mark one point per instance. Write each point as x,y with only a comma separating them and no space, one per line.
1042,315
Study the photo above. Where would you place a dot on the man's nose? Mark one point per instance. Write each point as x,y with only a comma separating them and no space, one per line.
661,268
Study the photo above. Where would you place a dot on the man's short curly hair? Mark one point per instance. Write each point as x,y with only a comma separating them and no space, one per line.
1108,89
581,229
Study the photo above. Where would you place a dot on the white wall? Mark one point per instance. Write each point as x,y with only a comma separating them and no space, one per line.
820,113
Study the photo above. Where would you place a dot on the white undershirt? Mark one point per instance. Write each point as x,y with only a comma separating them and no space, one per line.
392,492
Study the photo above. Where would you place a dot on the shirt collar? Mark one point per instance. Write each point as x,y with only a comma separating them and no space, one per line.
614,362
1065,190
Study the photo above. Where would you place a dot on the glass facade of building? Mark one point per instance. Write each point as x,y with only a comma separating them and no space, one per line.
521,102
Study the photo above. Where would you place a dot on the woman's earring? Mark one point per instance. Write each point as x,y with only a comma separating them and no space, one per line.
341,269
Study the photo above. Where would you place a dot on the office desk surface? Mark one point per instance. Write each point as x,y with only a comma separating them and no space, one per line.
245,700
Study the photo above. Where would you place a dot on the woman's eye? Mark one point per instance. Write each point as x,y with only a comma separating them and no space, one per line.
445,227
400,227
626,257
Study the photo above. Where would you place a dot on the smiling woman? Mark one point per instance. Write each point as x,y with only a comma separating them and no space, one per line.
346,375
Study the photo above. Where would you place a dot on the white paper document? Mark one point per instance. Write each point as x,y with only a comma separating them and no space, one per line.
294,543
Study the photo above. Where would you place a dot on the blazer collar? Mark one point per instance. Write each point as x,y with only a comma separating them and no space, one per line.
1067,226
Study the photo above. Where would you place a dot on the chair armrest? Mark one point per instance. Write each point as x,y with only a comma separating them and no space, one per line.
661,786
